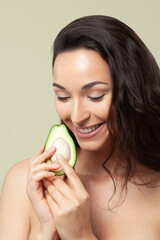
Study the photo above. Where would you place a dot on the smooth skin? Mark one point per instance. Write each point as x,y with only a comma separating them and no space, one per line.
36,204
61,204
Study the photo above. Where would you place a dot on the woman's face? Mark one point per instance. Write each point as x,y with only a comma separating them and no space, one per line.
83,89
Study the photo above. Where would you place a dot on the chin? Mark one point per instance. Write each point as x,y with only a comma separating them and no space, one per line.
94,145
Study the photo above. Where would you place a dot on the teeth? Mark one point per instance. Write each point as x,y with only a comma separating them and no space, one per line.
88,130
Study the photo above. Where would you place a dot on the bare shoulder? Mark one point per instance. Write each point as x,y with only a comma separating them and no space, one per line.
14,185
18,172
14,203
16,178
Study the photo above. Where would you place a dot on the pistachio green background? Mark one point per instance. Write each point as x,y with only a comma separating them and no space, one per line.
27,31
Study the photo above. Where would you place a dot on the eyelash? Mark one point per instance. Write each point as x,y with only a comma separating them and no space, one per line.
96,98
62,98
91,98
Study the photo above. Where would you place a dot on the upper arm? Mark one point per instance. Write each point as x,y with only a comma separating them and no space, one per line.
14,205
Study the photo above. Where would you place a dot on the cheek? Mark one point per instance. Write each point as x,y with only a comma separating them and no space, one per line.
102,110
62,110
102,114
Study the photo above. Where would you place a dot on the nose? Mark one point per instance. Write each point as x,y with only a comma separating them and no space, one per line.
80,113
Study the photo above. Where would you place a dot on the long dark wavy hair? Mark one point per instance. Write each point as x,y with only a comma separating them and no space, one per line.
134,119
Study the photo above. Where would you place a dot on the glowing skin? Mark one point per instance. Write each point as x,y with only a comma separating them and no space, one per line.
79,105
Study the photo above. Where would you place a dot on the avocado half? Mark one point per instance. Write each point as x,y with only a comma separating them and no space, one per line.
61,139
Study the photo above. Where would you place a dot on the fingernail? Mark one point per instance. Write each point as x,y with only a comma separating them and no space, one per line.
51,148
56,166
59,157
51,173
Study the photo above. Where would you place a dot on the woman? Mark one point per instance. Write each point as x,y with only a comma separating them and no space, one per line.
107,90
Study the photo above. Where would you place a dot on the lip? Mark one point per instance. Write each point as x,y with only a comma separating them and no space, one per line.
91,134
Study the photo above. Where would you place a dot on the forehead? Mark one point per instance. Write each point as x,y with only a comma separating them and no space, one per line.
83,64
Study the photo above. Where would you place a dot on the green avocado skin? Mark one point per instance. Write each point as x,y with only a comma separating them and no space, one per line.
60,131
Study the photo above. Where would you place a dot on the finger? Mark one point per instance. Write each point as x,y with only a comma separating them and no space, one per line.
70,173
45,167
62,187
52,204
39,151
41,175
57,196
44,156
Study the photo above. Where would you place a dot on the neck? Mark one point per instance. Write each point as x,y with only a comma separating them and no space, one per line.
90,163
93,163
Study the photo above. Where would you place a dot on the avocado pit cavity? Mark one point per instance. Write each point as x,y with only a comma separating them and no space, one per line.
60,138
62,148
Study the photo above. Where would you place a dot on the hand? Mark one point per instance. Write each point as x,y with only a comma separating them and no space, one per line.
36,172
70,204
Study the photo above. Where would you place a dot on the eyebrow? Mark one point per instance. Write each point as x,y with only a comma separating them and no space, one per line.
86,86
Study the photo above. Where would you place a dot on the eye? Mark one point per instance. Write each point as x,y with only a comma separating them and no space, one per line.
63,99
96,98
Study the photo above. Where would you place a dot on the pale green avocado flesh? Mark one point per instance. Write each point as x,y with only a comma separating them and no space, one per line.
61,139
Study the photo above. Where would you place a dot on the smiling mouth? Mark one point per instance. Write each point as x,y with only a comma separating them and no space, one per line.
89,130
